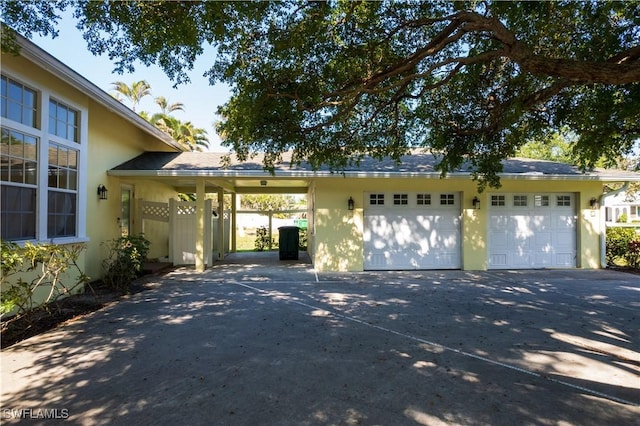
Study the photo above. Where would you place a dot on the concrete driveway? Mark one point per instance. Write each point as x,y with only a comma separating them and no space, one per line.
256,341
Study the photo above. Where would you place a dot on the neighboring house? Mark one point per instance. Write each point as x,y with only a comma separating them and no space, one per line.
622,205
60,135
63,138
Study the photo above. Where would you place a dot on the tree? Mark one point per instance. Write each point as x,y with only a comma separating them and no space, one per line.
334,81
266,202
166,108
553,148
189,137
133,93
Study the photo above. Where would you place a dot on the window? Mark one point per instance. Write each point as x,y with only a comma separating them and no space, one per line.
520,201
400,199
541,201
423,199
40,170
63,183
376,199
498,201
18,102
447,199
63,121
563,200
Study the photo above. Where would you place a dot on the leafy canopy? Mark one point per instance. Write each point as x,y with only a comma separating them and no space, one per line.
334,81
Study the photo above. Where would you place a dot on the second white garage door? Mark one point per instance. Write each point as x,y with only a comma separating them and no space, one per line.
411,231
532,231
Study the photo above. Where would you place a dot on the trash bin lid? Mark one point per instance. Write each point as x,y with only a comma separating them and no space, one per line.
288,227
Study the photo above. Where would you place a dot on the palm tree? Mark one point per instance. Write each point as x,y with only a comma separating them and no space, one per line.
165,108
189,137
134,93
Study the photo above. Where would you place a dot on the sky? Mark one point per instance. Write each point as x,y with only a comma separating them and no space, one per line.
200,99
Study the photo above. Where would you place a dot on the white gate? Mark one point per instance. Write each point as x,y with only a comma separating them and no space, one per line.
182,228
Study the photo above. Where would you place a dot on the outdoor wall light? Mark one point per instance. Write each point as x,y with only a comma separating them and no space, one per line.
593,203
350,204
102,192
476,203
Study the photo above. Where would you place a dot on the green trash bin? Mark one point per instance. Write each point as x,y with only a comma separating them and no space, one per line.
288,242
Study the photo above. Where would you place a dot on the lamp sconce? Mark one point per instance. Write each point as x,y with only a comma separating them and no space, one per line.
593,203
476,203
102,192
350,204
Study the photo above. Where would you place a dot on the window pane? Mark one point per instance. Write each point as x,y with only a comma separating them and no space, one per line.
18,216
72,179
28,116
15,111
31,172
30,147
53,155
62,214
15,91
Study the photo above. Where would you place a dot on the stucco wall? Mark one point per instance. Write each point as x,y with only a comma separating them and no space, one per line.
110,140
337,244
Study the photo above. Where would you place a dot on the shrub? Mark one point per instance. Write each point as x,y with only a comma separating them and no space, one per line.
633,254
124,261
303,239
49,263
618,239
263,239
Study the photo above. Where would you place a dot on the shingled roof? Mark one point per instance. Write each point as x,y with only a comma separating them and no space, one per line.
418,163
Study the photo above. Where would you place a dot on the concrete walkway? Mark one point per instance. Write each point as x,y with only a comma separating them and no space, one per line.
256,341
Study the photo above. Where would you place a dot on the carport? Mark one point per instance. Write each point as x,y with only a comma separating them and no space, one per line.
200,173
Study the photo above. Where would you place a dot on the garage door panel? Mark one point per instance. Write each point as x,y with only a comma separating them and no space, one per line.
525,235
408,237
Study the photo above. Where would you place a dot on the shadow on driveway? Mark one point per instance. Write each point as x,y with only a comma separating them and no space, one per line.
245,343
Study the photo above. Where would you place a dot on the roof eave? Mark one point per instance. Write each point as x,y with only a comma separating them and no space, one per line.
356,174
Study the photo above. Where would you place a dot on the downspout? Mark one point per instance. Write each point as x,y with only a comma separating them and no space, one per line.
603,224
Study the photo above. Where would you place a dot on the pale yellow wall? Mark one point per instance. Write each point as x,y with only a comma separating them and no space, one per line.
338,243
111,140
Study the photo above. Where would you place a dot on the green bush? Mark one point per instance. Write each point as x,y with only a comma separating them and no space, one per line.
49,264
618,239
303,239
263,239
124,260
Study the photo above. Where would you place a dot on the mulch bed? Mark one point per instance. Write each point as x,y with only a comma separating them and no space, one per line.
95,296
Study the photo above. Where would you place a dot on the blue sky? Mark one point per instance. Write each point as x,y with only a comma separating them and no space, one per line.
200,99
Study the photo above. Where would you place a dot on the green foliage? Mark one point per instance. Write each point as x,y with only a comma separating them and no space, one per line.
623,218
303,242
617,245
124,260
266,202
633,254
335,81
263,239
49,264
554,147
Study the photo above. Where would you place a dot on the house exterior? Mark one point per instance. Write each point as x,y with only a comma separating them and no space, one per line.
620,206
385,216
63,138
60,136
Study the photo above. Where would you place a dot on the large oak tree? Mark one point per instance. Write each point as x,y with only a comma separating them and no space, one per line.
333,81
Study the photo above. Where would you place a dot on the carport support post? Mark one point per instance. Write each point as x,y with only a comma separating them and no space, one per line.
220,224
234,212
200,225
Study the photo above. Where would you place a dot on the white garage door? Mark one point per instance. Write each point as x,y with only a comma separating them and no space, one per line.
532,231
411,231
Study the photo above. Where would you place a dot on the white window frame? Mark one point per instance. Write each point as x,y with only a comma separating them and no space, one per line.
44,137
